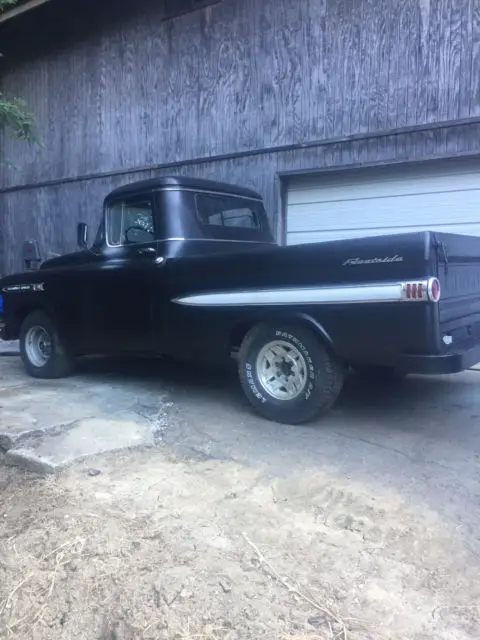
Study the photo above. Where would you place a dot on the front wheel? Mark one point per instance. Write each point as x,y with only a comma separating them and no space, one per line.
287,374
42,351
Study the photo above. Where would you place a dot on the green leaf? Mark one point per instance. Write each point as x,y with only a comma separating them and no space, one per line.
4,4
14,115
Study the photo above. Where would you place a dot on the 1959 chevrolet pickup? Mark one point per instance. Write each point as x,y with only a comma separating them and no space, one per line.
189,268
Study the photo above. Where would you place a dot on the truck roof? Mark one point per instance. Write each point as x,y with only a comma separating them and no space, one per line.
182,181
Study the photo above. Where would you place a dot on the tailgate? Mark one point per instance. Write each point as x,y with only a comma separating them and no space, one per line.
458,263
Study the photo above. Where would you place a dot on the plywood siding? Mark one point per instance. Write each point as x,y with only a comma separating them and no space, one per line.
119,85
50,213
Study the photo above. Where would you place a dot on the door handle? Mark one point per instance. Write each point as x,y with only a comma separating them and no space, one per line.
146,251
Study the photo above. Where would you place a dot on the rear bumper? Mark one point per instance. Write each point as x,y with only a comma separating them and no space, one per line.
441,364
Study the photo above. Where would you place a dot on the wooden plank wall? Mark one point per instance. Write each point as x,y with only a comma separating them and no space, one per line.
117,87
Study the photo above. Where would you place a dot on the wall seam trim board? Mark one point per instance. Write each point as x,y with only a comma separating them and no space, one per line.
420,128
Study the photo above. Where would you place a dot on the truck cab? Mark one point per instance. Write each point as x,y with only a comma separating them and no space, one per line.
108,296
179,217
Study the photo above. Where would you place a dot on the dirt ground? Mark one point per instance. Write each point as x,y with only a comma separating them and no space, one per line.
145,545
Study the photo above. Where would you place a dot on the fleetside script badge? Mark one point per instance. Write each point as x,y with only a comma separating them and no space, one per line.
354,262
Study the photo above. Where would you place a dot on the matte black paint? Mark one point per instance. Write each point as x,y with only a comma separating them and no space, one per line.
108,299
118,85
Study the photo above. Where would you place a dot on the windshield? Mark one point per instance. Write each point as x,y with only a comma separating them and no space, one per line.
129,222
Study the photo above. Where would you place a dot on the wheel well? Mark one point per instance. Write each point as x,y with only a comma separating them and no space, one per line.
21,313
240,330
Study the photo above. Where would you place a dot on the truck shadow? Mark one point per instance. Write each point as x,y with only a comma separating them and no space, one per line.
411,401
411,391
418,403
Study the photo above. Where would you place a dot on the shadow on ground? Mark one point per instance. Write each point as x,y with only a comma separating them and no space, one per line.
360,398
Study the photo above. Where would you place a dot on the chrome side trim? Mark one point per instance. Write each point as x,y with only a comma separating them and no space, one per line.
222,240
8,14
24,286
121,246
385,292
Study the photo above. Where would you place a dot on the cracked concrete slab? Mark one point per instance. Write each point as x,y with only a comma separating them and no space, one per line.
8,347
36,408
52,451
47,424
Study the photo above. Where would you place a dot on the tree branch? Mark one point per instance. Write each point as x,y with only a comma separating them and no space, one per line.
14,115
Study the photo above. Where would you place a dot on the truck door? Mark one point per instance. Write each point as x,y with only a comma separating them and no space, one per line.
119,293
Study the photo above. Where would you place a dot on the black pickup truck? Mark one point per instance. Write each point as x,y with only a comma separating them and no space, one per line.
189,268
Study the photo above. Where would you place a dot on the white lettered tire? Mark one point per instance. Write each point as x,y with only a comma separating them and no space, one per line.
288,374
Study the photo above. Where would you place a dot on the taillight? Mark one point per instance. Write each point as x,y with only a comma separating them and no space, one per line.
414,290
426,290
433,289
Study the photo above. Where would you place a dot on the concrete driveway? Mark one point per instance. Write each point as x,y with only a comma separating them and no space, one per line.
420,437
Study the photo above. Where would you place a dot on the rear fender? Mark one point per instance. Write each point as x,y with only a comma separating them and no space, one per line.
285,317
306,320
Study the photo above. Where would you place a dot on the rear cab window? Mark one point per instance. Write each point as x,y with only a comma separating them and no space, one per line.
230,217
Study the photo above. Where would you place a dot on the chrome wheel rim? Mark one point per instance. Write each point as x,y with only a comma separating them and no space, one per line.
282,370
38,346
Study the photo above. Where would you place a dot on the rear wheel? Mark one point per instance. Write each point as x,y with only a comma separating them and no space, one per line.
41,348
287,374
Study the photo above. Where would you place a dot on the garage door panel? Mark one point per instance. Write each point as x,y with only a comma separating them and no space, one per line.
376,202
394,176
434,208
324,236
385,189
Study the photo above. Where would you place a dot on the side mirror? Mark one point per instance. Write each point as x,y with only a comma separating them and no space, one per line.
82,235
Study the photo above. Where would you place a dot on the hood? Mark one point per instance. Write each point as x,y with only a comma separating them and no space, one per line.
70,259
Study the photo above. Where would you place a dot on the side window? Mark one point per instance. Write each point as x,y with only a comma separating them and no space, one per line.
130,222
227,211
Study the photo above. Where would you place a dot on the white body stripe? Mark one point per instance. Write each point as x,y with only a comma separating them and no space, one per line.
343,294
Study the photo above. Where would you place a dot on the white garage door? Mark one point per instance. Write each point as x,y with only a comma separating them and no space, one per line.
442,197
